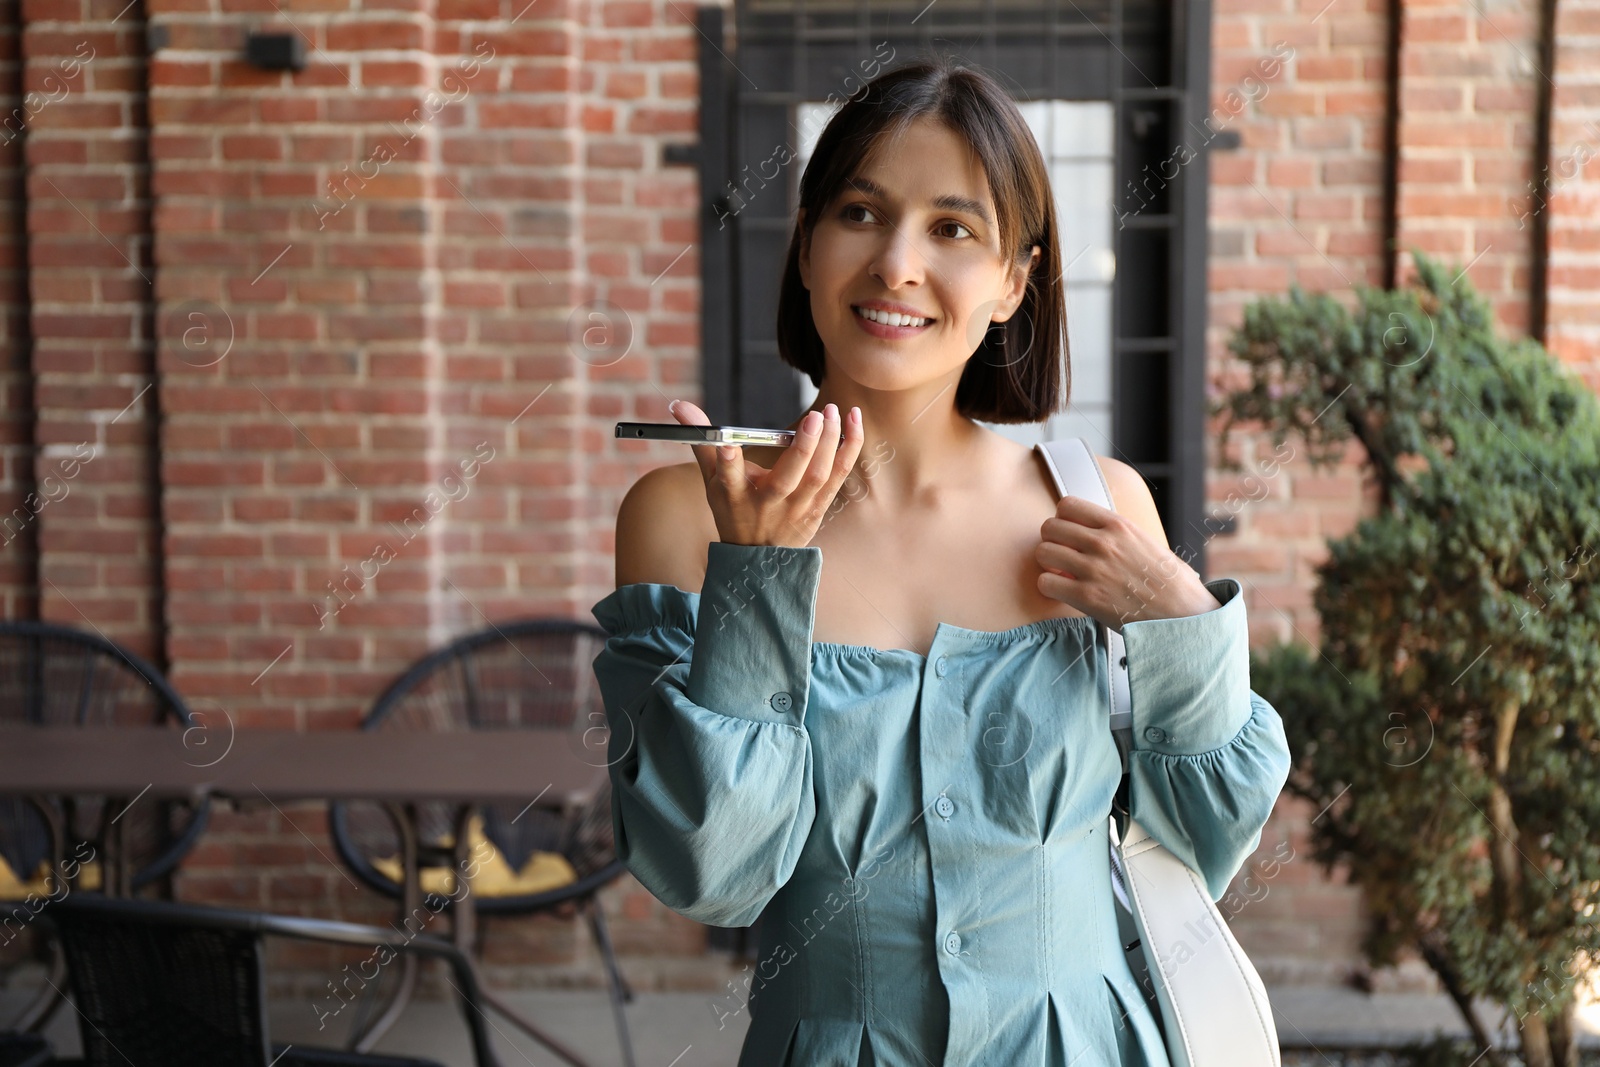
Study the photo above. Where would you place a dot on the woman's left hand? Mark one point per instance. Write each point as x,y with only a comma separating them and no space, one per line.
1106,565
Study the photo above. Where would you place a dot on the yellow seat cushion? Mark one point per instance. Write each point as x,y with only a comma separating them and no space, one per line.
14,888
494,878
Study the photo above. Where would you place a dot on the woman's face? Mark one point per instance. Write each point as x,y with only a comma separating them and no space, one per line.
915,228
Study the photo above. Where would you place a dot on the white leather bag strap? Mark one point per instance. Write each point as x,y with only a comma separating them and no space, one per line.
1073,468
1076,473
1214,1007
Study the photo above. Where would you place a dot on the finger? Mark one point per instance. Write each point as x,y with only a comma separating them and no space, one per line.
792,465
819,472
1068,532
1077,509
829,499
689,414
1060,587
1060,558
731,474
855,435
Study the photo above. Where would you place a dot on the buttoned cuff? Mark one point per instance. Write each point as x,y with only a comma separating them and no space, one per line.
1189,678
752,644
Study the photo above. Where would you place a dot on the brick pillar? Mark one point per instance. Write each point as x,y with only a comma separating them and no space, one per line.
641,237
301,360
1300,201
99,560
302,377
1572,200
19,498
513,193
368,267
1466,143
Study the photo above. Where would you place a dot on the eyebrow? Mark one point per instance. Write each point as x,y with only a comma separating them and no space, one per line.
945,202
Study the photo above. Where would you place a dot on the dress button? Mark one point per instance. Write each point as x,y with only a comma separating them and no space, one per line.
944,806
952,943
939,666
1155,735
782,701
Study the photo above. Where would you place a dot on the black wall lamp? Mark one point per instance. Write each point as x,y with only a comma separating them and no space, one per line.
275,51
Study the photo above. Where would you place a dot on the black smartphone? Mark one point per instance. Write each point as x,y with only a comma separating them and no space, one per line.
706,435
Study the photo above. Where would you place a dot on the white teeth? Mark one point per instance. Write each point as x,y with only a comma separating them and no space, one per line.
891,318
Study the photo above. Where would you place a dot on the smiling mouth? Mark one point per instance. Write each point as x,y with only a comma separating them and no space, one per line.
890,318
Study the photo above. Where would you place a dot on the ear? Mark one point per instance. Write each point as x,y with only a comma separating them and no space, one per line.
1017,288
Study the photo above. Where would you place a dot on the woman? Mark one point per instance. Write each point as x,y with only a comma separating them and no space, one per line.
902,760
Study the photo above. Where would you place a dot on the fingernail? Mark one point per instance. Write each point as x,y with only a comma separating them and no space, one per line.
672,408
855,416
811,423
726,452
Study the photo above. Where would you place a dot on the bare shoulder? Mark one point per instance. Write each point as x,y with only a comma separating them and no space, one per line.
1130,495
662,529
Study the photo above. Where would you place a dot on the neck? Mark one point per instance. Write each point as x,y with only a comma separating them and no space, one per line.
916,443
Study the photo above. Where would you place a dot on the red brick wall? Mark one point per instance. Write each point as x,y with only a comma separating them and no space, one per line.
357,278
89,527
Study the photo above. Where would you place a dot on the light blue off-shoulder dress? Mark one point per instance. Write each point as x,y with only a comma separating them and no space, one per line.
925,836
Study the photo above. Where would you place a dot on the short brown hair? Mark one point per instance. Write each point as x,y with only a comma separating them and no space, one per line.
993,387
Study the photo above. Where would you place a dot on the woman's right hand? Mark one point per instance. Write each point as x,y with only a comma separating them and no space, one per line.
785,505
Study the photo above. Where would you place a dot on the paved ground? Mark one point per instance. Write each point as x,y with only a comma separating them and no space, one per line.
680,1029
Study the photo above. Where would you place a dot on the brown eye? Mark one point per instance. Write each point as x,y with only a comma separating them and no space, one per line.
958,225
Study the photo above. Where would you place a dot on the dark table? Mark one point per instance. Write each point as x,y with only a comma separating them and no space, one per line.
480,766
548,768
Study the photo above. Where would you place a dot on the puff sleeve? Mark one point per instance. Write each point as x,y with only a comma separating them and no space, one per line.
1208,755
710,763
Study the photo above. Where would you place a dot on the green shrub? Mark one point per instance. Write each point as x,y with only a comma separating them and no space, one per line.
1450,720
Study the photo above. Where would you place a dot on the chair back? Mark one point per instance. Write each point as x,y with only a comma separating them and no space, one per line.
527,673
152,990
162,983
58,676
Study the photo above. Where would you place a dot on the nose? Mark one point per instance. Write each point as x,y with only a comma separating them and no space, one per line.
899,262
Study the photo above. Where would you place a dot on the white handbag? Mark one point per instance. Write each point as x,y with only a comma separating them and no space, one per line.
1204,992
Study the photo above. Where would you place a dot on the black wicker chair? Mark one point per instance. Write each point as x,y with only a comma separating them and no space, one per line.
24,1050
515,675
54,675
156,982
